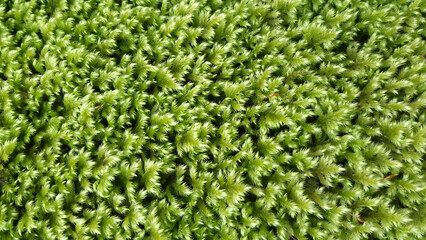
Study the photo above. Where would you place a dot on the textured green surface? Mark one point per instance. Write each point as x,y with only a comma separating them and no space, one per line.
147,119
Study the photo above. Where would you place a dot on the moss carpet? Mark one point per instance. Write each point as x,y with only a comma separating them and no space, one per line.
212,119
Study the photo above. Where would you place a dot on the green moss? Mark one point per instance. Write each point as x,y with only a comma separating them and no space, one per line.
199,119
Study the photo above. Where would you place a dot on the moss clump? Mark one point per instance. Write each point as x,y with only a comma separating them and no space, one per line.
210,119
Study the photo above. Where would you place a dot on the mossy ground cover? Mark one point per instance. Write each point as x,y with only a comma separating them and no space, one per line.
210,119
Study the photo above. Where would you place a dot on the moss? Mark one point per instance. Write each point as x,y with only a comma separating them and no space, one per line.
271,119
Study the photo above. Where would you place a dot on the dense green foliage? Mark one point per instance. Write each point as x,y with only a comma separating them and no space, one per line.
210,119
